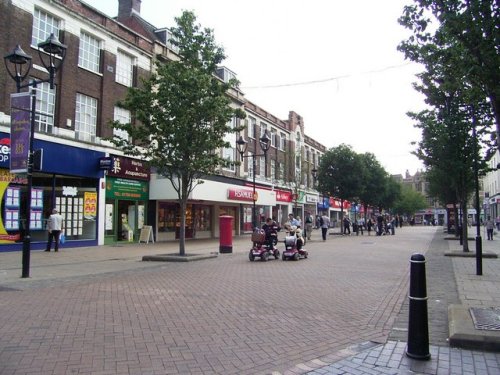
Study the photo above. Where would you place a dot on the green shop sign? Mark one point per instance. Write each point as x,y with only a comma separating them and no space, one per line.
121,188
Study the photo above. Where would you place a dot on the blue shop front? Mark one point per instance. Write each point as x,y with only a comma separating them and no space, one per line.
68,180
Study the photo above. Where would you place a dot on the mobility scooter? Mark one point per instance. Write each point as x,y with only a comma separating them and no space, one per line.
294,245
263,247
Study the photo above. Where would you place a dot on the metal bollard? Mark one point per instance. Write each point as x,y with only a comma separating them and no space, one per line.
418,330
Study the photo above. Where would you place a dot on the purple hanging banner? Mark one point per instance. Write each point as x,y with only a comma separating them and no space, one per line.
20,111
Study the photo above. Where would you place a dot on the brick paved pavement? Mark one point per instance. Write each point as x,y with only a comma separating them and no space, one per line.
449,281
102,311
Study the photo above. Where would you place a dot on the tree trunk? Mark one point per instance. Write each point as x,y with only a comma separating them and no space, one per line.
183,198
182,229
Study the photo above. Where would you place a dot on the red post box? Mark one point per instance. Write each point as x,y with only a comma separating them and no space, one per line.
225,234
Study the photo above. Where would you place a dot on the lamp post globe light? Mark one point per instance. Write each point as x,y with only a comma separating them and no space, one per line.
242,145
18,64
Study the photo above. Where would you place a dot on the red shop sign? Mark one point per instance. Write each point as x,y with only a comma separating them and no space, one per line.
283,196
335,203
240,194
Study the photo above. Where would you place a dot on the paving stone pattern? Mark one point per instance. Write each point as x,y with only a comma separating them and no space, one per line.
102,311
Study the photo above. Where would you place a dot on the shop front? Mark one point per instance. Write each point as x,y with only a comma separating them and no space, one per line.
215,197
311,203
69,184
127,195
264,200
336,210
281,210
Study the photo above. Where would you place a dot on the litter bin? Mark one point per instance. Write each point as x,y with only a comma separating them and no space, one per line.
225,234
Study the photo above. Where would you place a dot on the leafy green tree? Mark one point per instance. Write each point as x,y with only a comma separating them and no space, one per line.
441,187
374,181
340,174
182,114
458,38
409,201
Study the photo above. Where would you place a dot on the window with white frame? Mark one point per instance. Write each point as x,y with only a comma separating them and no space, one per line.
45,108
281,172
252,124
85,117
273,170
122,116
273,137
169,38
89,53
250,164
282,141
263,129
124,69
44,24
262,166
228,153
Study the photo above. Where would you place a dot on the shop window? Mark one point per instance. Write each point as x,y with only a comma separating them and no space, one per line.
202,216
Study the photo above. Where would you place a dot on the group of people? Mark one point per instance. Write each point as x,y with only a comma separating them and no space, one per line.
381,224
322,222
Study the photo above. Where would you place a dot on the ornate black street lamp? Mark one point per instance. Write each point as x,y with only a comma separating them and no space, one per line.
242,145
52,53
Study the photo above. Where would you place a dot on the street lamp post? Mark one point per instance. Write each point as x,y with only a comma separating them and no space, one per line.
52,53
479,244
314,173
242,145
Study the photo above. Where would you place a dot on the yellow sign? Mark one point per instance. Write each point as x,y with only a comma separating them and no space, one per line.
256,196
90,205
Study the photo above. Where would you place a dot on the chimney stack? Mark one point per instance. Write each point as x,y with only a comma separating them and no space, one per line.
127,7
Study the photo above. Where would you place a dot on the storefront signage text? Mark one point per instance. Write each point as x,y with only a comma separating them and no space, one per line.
106,163
311,198
129,168
241,195
283,196
120,188
70,191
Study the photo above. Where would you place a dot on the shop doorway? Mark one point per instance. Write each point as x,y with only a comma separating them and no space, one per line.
126,220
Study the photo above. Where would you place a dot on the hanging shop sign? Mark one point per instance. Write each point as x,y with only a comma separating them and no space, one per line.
106,163
129,168
123,189
20,131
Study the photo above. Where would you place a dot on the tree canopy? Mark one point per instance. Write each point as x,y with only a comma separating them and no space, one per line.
182,113
458,39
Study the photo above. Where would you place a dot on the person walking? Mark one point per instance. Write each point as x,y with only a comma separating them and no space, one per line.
489,228
347,225
309,225
369,225
54,227
325,224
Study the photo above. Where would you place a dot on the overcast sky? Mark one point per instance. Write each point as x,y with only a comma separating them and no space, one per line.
334,62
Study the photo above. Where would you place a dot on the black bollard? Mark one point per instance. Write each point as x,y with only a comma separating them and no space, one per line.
418,330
